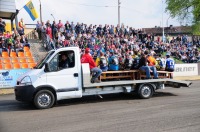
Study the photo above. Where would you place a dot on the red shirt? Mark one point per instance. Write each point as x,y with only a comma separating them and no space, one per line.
48,31
86,58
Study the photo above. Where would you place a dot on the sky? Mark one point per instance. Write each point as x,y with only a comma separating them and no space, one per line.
133,13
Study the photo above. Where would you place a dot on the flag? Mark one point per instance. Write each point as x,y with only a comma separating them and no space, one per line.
31,10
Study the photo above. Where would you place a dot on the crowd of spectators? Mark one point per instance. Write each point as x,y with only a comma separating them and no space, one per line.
120,40
12,41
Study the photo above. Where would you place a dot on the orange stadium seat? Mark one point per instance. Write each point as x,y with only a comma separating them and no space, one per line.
6,60
24,65
14,60
22,60
30,60
20,54
5,54
16,66
1,67
28,54
31,65
13,54
7,66
26,49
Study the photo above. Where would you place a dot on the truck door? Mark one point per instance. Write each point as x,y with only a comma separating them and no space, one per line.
63,75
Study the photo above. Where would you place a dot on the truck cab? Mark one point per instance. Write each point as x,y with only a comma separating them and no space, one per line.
50,80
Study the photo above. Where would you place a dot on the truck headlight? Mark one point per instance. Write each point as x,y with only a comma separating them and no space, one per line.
25,81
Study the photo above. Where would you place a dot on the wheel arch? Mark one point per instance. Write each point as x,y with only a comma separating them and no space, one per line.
46,87
150,84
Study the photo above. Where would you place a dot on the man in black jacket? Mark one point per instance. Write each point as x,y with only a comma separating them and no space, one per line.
143,66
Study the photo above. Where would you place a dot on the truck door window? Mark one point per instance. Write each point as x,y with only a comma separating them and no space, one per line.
53,64
66,59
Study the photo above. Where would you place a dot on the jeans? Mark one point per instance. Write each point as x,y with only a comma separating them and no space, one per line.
147,69
97,72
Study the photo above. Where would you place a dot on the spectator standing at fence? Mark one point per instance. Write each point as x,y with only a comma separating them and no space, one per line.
54,29
48,30
38,29
21,24
59,25
2,26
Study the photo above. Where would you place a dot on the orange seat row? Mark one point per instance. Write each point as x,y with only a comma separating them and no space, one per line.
17,66
14,54
17,60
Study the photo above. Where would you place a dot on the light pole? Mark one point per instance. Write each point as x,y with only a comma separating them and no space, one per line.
40,11
163,32
53,17
119,12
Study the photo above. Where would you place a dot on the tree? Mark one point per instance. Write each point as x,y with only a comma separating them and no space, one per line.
186,10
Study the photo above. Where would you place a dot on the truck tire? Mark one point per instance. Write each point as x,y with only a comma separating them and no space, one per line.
145,91
44,99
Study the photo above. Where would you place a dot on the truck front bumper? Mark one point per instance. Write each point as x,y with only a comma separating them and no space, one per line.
24,93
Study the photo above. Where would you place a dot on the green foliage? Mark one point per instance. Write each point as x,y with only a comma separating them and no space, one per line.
186,10
196,28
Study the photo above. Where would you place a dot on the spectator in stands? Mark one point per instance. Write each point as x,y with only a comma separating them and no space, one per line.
20,31
96,72
143,66
2,26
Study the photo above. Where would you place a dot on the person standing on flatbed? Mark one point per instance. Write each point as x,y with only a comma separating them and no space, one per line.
87,58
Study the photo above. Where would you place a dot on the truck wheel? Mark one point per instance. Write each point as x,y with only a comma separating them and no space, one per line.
145,91
44,99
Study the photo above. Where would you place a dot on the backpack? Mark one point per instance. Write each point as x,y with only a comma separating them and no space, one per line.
128,63
115,61
170,64
103,62
159,64
135,64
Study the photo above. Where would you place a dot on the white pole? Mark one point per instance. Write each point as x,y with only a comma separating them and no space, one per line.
163,22
119,12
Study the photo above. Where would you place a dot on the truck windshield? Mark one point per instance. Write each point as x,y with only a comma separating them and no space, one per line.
44,60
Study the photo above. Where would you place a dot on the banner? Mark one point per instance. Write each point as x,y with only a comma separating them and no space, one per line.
8,78
186,70
31,10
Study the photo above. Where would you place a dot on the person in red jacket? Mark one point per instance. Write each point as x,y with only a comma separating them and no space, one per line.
87,58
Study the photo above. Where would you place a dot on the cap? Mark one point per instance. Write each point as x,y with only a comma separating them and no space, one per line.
168,54
87,50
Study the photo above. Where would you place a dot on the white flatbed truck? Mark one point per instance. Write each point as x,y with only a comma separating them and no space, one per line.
47,83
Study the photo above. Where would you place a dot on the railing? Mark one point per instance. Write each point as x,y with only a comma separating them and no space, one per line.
30,31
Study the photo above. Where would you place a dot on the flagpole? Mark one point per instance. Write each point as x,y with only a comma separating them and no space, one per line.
40,12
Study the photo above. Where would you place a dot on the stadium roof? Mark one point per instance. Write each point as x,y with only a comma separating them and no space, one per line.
7,9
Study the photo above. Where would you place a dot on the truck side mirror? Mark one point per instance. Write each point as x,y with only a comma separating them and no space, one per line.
46,68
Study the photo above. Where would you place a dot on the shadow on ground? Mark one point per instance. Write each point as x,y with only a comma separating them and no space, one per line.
12,105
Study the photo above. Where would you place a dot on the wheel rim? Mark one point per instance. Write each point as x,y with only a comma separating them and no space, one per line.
44,100
146,91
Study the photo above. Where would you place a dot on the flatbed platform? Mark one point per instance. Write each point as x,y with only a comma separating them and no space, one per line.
133,82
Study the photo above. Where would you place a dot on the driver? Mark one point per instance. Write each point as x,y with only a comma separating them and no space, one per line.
64,62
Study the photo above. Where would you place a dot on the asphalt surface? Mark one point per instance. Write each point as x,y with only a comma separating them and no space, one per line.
171,110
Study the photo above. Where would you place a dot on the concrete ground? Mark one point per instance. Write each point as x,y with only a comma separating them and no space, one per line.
169,110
